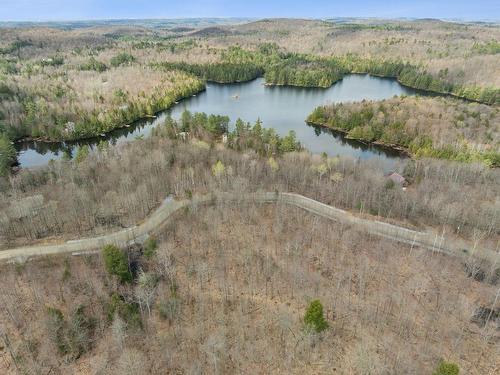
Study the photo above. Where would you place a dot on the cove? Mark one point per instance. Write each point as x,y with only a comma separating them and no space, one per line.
283,108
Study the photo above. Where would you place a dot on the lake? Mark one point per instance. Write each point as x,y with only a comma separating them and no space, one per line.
279,107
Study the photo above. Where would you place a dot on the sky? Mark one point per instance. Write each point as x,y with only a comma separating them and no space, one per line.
56,10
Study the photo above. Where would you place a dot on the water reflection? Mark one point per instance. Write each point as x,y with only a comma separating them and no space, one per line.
283,108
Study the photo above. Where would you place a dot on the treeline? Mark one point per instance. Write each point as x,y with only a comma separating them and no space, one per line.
244,136
7,154
92,124
295,69
305,71
417,77
410,123
39,120
224,72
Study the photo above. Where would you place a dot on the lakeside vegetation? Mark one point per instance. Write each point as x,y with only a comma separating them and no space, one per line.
245,287
80,83
426,127
85,105
307,70
116,186
244,136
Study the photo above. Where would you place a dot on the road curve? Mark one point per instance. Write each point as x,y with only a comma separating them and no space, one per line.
138,233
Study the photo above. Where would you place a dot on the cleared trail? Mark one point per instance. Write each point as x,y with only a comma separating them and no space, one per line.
137,234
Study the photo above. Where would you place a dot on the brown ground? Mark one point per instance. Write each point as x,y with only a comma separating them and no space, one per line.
243,278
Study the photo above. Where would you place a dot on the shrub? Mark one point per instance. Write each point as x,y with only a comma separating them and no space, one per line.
446,368
170,309
314,318
95,65
129,312
150,247
122,58
55,328
71,338
7,154
116,263
218,169
82,153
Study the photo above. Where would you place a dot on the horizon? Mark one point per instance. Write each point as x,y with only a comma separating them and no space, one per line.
40,11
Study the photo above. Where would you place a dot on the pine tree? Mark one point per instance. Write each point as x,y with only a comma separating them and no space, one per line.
314,318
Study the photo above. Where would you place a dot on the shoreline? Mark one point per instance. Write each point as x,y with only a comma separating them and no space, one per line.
392,147
28,139
122,126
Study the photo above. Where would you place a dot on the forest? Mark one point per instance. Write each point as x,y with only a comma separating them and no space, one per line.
244,136
76,83
285,284
228,289
306,70
240,287
425,127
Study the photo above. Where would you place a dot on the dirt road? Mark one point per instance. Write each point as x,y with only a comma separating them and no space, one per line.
430,241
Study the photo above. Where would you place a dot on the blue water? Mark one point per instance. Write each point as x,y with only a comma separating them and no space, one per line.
282,108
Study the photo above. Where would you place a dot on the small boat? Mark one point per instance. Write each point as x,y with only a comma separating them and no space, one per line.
235,96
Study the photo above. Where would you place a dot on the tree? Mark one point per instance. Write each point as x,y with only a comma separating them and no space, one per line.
289,142
145,291
150,246
218,169
446,368
82,153
116,263
314,318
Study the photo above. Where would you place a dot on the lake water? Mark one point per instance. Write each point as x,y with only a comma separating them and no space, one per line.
282,108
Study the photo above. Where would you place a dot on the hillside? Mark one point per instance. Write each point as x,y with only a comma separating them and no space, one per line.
226,290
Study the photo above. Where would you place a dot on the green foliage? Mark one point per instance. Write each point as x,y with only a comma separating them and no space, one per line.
73,337
361,123
150,247
82,153
8,66
219,72
446,368
314,318
15,46
289,143
218,169
7,154
129,312
122,59
244,136
55,326
306,70
67,270
199,122
52,61
487,48
116,263
93,64
5,91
